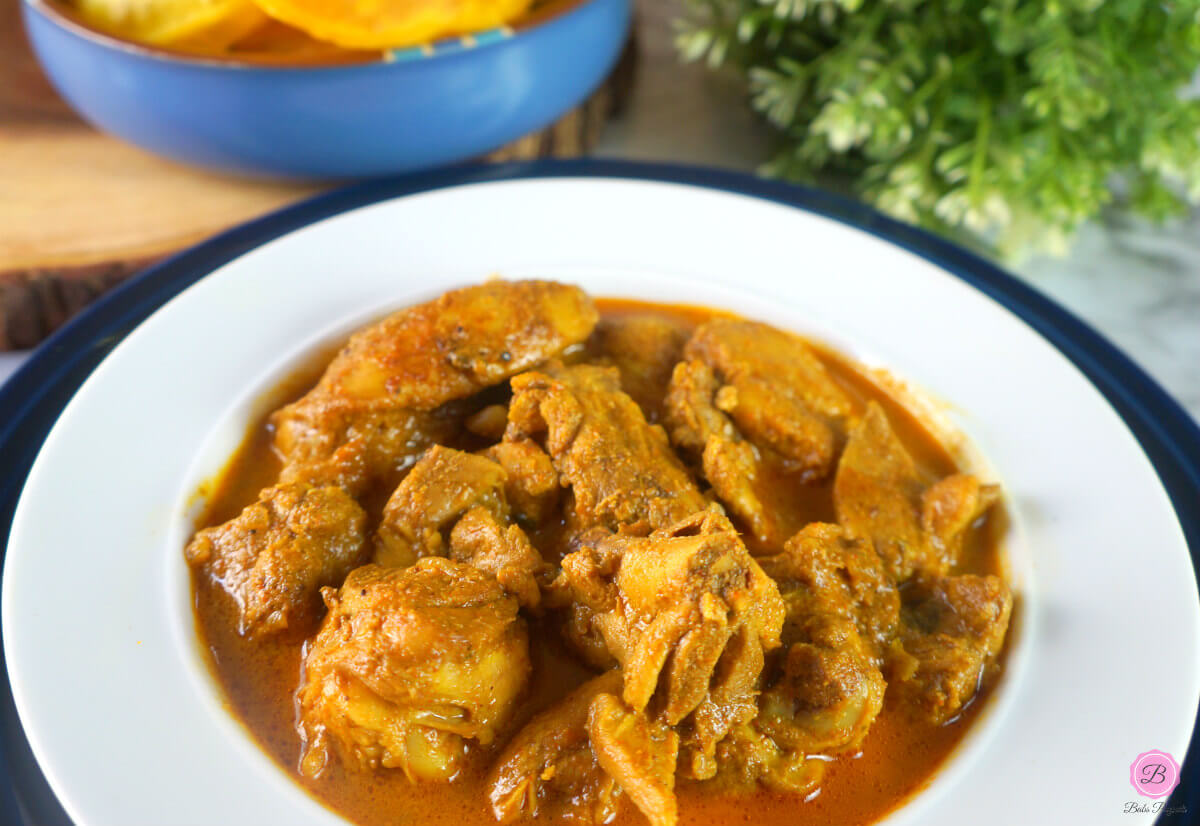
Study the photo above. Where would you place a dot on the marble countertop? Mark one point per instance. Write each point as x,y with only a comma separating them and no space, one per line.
1137,284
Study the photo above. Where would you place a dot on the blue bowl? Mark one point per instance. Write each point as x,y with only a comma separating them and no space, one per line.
411,109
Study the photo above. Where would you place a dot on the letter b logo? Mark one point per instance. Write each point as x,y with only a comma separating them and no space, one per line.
1154,774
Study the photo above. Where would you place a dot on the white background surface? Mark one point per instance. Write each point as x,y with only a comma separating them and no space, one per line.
1137,284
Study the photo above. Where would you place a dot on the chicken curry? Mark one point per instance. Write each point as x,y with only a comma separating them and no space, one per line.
516,554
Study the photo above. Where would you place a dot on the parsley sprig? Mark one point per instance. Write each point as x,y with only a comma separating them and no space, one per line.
1008,121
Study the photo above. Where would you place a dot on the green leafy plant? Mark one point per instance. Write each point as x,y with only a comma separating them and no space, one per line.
1010,121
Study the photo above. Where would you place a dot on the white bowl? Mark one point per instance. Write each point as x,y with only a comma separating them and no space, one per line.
129,726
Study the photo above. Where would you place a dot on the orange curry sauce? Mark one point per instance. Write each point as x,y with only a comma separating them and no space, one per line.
899,756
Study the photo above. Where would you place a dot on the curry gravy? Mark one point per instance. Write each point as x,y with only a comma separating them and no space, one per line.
898,757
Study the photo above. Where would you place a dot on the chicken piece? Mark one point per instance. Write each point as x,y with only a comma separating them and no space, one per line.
842,611
732,701
549,769
483,542
734,468
779,394
828,693
638,753
277,554
621,470
747,757
381,401
951,506
824,688
879,494
453,504
825,568
580,627
686,611
532,485
688,615
644,347
575,761
440,488
952,634
449,348
876,495
409,665
357,450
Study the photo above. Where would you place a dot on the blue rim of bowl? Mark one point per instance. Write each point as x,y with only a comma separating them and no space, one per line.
35,395
442,47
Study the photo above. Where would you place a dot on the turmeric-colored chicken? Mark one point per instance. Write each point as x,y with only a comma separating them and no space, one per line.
378,405
842,610
576,760
620,469
275,556
410,664
531,483
780,396
483,541
638,753
825,568
952,634
688,614
453,504
824,688
774,388
549,769
879,494
442,486
747,758
732,465
752,403
644,347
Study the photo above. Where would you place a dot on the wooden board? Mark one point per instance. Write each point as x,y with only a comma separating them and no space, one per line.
80,211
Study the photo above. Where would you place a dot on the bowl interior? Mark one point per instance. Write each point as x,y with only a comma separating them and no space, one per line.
250,404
